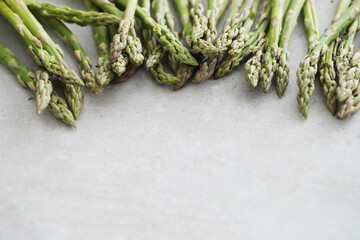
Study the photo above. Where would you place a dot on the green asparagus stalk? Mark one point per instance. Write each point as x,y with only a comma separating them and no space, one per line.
207,68
27,79
254,66
283,69
104,74
73,93
245,29
162,34
43,89
343,58
246,11
327,67
311,21
74,97
70,15
247,16
221,8
308,66
211,13
85,65
155,53
328,78
164,17
350,106
126,43
236,55
184,71
182,7
40,55
170,23
203,30
269,59
122,62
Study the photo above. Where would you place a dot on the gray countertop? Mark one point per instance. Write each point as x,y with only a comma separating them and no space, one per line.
218,160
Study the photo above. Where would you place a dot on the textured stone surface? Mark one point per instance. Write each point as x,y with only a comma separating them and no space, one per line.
217,160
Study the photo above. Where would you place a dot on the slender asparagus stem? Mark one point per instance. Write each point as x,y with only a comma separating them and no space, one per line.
164,16
255,66
211,13
221,8
201,39
182,7
163,35
283,69
236,55
247,16
311,21
350,106
73,93
184,71
327,67
104,74
27,79
125,44
43,89
245,11
327,78
71,15
343,58
269,59
155,53
170,23
308,67
39,54
85,65
245,27
31,27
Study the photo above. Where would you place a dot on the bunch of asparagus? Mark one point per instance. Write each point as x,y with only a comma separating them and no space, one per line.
127,36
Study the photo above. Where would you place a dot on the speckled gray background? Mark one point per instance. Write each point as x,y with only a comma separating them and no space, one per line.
214,161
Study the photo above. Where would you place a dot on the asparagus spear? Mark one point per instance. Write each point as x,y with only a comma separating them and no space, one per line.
221,6
170,23
71,15
155,53
126,42
43,89
350,106
230,31
184,71
254,66
164,17
201,40
39,54
182,7
162,34
283,69
327,66
85,65
245,11
27,79
236,55
104,74
308,66
73,93
311,21
343,58
270,57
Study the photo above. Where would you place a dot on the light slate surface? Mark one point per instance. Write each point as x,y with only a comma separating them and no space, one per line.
214,161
